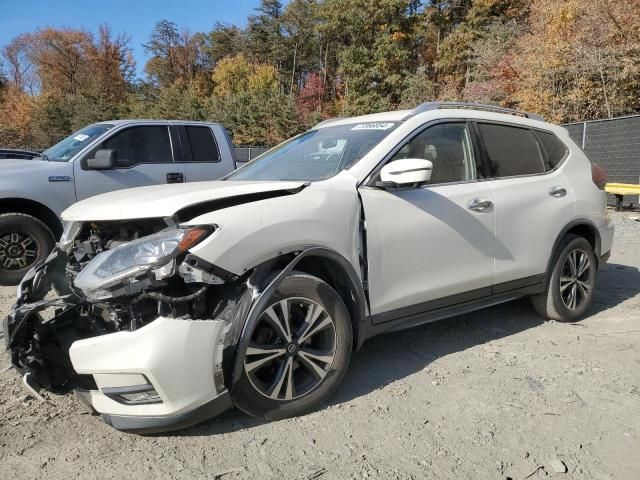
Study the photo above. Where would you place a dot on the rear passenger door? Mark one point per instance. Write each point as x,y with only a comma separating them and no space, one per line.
532,198
201,153
144,157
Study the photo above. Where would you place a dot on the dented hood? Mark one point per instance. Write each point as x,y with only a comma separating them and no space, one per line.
165,200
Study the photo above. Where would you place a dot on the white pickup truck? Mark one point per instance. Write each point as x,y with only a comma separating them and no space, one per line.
98,158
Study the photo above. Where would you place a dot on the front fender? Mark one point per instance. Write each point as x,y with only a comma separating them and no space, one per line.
325,214
262,285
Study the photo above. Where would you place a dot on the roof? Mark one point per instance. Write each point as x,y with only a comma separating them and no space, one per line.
129,121
395,116
455,109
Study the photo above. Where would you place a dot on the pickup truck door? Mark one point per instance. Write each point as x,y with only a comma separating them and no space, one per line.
145,156
207,152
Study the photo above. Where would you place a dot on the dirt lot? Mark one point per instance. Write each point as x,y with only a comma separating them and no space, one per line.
493,394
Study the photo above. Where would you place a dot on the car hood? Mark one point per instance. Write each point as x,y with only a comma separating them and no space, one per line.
20,166
159,201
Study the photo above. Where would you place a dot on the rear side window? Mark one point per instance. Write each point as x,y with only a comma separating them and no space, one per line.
511,151
135,145
203,145
553,147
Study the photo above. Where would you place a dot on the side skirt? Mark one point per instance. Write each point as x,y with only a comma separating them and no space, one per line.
453,305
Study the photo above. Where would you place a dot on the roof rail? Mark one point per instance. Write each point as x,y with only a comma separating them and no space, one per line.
428,106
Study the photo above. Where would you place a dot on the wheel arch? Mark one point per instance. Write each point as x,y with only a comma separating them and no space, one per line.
35,209
321,262
582,227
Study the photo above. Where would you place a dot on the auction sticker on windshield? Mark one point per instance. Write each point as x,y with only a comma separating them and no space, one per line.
374,126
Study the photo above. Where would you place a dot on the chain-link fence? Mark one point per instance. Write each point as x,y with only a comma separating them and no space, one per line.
245,154
615,145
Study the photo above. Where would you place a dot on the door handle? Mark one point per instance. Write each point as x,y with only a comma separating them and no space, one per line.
480,204
175,177
558,192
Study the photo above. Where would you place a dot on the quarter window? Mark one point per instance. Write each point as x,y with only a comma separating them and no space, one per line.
144,144
554,148
203,145
511,151
448,146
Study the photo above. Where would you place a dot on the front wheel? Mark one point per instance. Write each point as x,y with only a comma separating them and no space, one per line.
570,289
298,352
24,241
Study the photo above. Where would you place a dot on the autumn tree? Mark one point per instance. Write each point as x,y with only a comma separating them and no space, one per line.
580,60
248,101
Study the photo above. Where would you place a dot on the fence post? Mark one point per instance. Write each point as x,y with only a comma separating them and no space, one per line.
584,134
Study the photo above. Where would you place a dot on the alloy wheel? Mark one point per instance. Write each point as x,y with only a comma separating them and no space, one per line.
291,350
17,251
575,279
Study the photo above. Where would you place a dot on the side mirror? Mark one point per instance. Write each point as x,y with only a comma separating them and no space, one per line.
409,171
103,160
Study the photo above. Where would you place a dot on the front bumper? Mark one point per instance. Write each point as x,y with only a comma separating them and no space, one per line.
144,424
180,359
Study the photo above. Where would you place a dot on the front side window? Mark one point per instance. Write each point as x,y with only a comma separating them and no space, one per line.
448,146
144,144
317,154
511,151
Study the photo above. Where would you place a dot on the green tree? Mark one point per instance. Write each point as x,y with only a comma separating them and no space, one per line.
376,49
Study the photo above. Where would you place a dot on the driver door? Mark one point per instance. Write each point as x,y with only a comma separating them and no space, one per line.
144,157
429,247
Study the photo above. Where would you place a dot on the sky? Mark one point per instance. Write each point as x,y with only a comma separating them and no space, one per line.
136,18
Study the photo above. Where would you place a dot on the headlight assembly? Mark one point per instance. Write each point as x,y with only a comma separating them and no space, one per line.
126,262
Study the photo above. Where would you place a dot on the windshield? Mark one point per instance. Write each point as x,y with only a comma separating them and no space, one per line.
316,154
65,149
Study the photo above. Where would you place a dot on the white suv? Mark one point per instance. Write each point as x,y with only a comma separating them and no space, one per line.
253,291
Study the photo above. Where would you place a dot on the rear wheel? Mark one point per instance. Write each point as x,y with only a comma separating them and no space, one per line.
570,289
299,350
24,241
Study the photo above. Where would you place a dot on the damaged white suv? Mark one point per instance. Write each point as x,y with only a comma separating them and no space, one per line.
253,291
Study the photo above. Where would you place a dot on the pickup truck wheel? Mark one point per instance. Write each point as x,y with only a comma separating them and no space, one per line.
24,240
299,351
570,290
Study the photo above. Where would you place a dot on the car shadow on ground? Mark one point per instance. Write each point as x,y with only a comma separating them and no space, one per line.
615,284
393,356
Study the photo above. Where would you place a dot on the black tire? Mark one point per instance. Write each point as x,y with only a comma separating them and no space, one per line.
300,287
554,303
22,227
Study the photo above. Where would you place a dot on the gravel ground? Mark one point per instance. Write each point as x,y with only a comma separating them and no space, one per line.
493,394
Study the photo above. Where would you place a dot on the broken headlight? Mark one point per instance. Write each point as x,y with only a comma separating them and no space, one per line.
125,263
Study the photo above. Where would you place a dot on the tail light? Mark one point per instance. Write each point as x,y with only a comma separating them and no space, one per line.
599,176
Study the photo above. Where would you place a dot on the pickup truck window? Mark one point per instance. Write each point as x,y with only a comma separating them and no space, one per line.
203,145
64,150
144,144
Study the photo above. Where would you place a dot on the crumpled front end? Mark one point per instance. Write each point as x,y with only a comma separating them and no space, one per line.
142,341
